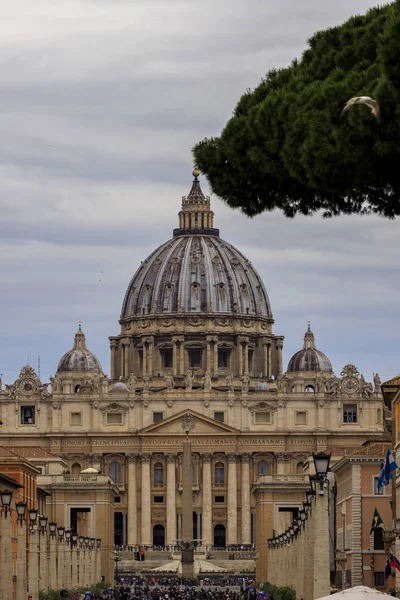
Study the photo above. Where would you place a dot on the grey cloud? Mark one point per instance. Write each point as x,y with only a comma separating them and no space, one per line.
100,105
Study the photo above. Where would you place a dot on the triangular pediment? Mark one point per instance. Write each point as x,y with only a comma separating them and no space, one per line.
200,425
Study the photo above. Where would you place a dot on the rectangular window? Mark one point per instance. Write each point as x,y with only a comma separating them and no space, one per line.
377,491
219,416
75,418
195,358
219,499
114,418
379,580
158,417
350,413
250,361
27,415
263,417
301,418
158,499
223,359
117,499
167,359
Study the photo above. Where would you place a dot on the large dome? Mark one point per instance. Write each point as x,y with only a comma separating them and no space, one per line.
79,358
196,271
309,358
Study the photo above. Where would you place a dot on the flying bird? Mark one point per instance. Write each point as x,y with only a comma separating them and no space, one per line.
370,102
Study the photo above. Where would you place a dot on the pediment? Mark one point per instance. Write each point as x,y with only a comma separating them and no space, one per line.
201,425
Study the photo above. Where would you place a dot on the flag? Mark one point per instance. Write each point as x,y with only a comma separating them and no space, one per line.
376,521
382,479
394,563
390,465
388,570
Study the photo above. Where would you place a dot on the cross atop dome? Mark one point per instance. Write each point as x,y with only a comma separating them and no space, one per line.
196,215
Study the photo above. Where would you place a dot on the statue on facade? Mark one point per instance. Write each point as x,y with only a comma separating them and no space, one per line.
43,391
55,385
169,380
146,382
367,389
321,385
279,384
188,380
132,383
11,391
207,382
245,382
333,387
229,381
377,383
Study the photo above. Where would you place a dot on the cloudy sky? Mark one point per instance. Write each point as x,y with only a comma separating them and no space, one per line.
100,104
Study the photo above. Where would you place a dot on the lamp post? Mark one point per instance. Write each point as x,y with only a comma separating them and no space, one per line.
33,571
81,564
98,560
6,556
21,550
42,555
320,485
92,561
53,556
68,560
86,561
74,560
61,559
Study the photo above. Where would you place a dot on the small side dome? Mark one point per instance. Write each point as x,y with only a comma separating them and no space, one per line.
309,358
79,358
120,386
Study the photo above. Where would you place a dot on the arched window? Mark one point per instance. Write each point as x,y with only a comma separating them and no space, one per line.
219,472
115,471
158,474
310,389
378,539
299,468
262,467
77,389
76,469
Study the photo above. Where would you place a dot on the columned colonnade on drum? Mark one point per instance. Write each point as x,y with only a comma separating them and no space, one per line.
140,523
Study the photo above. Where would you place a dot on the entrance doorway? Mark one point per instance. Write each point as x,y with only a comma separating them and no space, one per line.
118,529
219,536
158,535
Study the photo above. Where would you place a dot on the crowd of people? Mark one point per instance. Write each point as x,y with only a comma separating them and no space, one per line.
174,588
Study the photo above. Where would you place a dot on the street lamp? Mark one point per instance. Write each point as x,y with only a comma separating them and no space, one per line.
43,523
74,538
321,463
98,542
33,513
61,531
6,498
21,509
53,527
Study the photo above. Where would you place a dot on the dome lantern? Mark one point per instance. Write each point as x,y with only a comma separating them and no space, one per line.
196,216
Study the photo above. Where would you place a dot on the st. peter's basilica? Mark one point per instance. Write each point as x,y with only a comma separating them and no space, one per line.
196,338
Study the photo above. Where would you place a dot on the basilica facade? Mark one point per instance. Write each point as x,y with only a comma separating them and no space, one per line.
197,343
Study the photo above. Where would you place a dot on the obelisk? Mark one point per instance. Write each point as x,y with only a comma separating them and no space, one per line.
187,505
